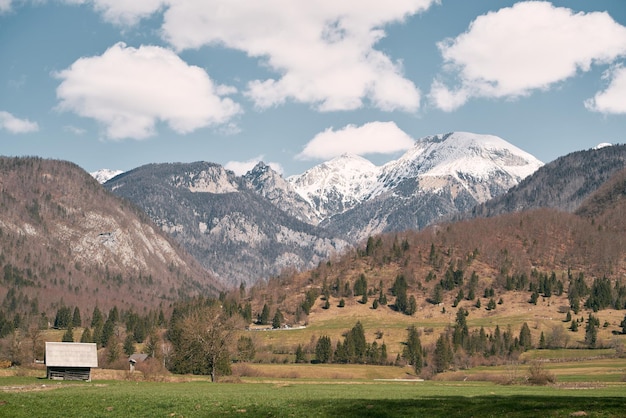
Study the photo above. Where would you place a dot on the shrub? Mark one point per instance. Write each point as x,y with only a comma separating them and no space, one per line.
538,375
152,369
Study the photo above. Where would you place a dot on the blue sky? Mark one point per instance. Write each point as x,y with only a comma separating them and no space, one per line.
118,84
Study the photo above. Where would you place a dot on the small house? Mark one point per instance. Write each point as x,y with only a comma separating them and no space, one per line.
136,358
70,361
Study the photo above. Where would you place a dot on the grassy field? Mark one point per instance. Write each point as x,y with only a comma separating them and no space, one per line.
28,397
591,388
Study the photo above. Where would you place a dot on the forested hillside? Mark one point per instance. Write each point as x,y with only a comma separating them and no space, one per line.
66,241
561,184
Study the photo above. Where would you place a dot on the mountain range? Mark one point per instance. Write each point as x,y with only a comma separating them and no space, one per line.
185,229
255,226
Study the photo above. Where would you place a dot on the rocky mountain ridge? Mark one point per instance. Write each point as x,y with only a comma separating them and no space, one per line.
234,226
252,227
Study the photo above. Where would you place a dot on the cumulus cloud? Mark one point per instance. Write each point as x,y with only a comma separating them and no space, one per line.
371,138
129,90
323,52
5,6
16,125
242,167
613,99
529,46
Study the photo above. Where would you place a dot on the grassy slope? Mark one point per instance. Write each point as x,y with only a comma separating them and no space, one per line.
515,310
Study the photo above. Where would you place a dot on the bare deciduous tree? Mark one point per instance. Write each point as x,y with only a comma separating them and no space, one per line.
205,339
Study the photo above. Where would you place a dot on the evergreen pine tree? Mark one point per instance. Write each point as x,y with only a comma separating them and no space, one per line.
264,318
86,337
300,355
76,320
591,331
323,349
412,351
129,345
383,354
68,336
108,330
382,298
113,349
278,319
525,338
443,353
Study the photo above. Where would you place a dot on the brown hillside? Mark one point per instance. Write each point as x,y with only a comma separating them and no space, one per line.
65,239
607,205
530,243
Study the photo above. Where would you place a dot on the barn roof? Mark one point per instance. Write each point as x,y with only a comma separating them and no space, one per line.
137,357
71,354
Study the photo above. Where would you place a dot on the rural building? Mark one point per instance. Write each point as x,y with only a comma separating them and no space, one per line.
136,358
70,361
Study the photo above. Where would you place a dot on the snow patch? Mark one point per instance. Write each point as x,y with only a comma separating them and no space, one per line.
103,175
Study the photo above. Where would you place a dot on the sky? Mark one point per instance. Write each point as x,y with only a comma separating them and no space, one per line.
118,84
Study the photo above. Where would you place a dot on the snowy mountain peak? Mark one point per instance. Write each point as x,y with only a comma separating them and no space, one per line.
480,165
103,175
462,154
336,185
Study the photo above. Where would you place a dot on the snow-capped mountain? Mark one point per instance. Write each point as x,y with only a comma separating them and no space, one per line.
463,155
481,166
337,185
103,175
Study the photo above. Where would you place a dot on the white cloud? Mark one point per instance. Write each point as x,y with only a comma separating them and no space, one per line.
322,52
529,46
371,138
5,6
242,167
16,125
129,90
613,99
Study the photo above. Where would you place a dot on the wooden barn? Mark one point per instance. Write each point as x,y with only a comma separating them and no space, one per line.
70,361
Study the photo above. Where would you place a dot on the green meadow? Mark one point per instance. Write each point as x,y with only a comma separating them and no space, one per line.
309,397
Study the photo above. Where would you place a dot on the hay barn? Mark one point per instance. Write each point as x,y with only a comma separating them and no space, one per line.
70,361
